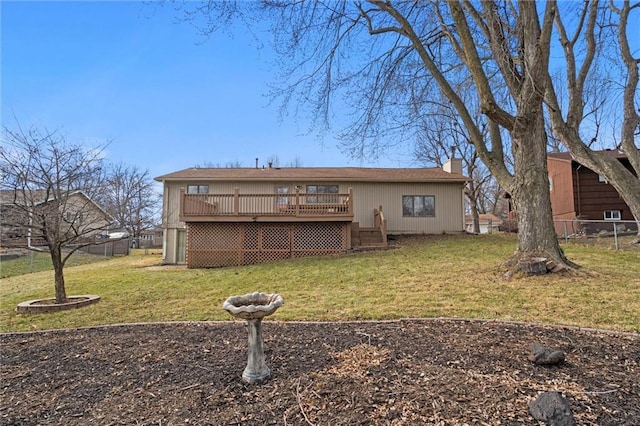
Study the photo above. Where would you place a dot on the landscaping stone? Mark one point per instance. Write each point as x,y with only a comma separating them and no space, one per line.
542,355
552,409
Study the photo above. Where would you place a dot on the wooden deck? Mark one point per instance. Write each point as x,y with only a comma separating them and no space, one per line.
237,207
243,229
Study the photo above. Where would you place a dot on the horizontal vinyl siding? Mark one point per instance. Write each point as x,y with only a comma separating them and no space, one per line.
597,197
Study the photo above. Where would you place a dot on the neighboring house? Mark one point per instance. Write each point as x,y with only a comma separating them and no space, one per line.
232,216
148,238
489,223
579,195
79,215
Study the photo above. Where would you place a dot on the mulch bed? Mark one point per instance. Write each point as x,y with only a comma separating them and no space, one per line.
436,372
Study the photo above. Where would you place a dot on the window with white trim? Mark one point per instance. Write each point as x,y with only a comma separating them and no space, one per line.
612,215
419,205
602,179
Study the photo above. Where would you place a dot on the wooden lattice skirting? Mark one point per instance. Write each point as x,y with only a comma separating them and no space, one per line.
228,244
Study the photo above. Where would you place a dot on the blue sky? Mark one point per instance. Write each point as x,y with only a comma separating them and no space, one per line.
165,97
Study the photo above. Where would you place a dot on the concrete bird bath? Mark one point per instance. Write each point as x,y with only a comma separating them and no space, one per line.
253,307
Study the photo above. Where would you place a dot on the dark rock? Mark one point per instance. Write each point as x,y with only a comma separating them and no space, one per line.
552,409
542,355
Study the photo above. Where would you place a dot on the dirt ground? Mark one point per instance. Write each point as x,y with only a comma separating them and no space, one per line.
408,372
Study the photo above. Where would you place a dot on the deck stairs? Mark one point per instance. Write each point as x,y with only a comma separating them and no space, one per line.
362,238
368,237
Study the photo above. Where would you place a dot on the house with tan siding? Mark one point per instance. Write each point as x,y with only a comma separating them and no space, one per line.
234,216
79,218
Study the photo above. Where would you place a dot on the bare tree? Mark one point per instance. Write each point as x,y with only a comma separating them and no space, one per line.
375,58
130,198
600,39
46,188
274,161
211,165
296,162
441,136
406,50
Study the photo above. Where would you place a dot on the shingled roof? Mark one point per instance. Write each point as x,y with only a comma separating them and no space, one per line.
37,196
354,174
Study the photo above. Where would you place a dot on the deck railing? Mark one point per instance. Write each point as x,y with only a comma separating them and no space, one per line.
297,204
380,222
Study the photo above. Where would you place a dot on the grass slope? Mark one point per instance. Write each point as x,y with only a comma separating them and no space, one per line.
440,276
41,261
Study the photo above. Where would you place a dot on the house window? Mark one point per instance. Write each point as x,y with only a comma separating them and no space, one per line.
72,217
419,205
197,189
612,215
602,179
326,194
283,200
550,184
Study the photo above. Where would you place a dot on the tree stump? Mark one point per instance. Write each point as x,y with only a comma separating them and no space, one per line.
533,265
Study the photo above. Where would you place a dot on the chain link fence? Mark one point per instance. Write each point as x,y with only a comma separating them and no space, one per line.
586,231
591,229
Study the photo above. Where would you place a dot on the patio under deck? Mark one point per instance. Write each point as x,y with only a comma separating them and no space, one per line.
236,207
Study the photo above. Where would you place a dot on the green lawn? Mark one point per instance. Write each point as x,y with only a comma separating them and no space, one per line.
40,261
444,276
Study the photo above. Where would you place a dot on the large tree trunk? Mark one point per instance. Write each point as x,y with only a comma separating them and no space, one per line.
529,192
58,268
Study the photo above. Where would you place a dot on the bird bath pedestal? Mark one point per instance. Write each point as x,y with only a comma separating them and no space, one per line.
253,307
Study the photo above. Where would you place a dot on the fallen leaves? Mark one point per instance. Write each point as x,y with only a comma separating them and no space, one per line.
436,372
